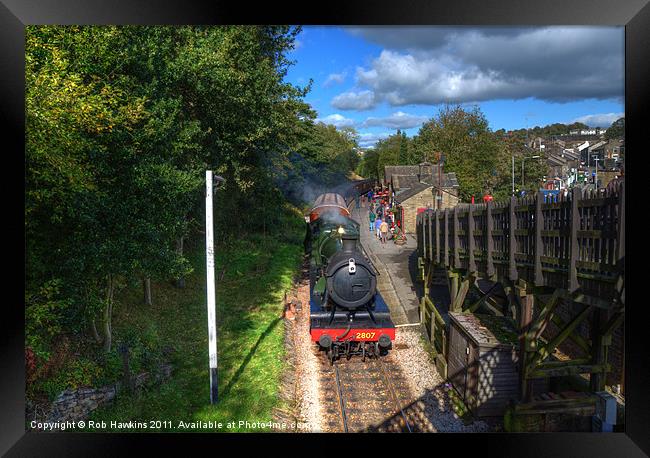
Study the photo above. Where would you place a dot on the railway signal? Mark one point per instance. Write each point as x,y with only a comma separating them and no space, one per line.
211,300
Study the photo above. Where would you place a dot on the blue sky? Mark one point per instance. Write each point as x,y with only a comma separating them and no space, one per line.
379,79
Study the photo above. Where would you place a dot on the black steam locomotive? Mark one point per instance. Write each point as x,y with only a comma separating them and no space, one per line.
348,315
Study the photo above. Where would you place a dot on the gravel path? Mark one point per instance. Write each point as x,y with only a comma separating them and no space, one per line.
307,367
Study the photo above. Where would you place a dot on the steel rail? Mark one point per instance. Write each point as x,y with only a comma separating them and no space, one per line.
341,401
393,395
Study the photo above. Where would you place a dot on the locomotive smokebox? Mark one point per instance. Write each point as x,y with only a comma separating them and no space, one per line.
351,280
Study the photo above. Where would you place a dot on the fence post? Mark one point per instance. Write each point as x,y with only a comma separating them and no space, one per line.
512,274
423,219
490,242
539,223
430,245
446,231
620,250
470,240
456,240
437,216
573,257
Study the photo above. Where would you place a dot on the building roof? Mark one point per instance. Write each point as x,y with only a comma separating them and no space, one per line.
408,193
450,180
557,160
405,181
390,170
597,145
570,154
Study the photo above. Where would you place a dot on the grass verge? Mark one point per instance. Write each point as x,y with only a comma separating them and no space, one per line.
250,340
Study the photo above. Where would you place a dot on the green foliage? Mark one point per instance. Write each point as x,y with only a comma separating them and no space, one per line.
397,149
121,124
112,368
43,313
470,148
616,130
77,373
324,156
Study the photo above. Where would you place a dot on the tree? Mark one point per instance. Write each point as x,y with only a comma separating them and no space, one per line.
121,124
369,165
471,149
616,130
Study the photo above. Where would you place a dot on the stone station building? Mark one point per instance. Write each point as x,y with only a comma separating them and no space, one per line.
416,186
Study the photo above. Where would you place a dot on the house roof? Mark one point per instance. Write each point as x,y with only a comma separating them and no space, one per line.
405,181
556,160
597,145
450,180
390,170
408,193
571,154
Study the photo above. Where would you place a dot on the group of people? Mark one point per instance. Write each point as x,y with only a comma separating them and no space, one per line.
381,218
380,226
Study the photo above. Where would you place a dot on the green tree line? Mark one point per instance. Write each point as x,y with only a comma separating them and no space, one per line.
480,157
122,123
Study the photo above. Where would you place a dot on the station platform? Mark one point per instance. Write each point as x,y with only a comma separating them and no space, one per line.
397,268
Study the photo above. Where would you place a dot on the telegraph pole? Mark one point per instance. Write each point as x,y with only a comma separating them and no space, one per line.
209,257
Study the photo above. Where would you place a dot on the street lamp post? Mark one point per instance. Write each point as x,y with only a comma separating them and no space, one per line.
596,159
211,299
523,160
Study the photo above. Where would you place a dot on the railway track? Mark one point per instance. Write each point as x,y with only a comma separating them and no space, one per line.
365,396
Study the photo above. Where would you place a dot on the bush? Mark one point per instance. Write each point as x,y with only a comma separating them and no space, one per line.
111,364
145,350
75,374
43,314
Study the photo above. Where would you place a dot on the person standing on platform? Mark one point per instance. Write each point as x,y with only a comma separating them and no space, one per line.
372,217
383,229
378,222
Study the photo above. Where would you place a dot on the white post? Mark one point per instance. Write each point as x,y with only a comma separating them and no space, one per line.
209,255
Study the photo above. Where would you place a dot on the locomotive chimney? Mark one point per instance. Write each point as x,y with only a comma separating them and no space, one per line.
349,243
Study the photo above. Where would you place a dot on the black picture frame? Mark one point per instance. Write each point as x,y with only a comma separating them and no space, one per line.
16,14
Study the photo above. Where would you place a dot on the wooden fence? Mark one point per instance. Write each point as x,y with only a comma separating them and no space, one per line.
574,243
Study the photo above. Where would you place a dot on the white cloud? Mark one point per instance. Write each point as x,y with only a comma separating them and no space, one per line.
434,65
599,120
398,120
359,101
335,78
337,120
367,140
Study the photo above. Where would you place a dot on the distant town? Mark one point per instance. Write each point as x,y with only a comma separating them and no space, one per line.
584,157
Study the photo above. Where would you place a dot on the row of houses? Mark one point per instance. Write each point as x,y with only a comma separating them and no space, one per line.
573,161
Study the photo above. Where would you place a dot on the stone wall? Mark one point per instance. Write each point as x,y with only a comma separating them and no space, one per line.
422,200
75,405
